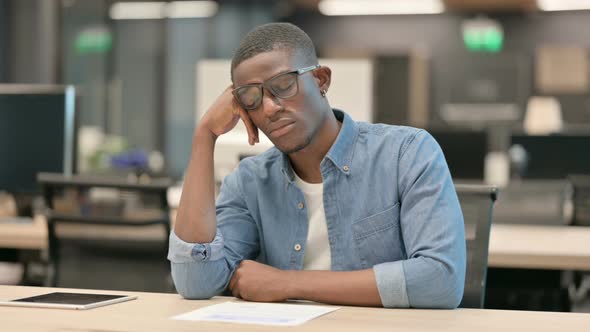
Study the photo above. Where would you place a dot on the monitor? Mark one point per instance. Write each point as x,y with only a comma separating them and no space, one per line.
485,90
464,150
554,156
36,134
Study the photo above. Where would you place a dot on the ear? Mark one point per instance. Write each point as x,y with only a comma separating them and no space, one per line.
323,77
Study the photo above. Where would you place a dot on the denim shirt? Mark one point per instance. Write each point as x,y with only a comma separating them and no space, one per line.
390,205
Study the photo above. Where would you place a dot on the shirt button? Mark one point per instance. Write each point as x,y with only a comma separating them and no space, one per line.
297,247
346,168
300,206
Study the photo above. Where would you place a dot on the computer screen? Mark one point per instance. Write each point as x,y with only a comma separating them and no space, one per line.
36,134
464,150
484,90
554,156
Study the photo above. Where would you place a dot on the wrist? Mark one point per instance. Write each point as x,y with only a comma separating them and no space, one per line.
291,285
204,133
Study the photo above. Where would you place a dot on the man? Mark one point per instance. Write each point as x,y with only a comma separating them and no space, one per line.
337,212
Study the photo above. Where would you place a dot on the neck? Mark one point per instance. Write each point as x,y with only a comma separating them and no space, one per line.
306,162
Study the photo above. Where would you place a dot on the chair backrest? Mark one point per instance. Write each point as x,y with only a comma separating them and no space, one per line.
477,202
534,202
88,237
581,199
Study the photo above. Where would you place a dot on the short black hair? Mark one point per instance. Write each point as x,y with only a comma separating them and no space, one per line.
274,36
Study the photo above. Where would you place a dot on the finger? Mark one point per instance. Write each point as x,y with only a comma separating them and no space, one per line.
232,282
248,123
235,292
257,133
252,135
237,110
235,107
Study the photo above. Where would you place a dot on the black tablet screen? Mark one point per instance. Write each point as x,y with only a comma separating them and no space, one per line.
69,298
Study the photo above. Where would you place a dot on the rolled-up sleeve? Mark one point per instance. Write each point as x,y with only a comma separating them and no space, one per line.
203,270
432,227
391,284
184,252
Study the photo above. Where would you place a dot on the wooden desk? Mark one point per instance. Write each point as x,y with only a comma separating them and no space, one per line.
539,247
24,236
511,246
152,312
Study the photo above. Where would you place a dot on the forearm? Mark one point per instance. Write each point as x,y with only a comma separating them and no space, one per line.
347,287
195,221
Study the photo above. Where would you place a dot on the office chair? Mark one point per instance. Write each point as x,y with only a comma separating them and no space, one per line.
535,202
477,202
581,199
92,258
579,289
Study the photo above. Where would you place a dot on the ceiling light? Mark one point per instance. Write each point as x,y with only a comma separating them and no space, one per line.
559,5
160,10
137,10
191,9
380,7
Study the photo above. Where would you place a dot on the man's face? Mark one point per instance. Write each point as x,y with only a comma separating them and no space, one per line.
292,123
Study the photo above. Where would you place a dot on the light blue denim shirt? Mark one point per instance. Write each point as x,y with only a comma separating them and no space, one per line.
390,205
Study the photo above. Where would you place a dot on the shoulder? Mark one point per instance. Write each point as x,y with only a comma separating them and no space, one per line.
398,137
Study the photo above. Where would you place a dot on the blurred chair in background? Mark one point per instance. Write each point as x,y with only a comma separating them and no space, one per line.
580,288
535,202
118,243
477,203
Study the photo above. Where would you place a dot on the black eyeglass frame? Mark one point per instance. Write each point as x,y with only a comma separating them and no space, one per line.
265,84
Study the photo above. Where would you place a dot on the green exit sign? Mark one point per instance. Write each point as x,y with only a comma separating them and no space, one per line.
483,35
93,40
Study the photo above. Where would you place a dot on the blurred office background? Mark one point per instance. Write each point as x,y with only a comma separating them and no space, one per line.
504,87
466,65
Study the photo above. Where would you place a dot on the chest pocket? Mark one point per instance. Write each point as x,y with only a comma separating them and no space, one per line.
377,238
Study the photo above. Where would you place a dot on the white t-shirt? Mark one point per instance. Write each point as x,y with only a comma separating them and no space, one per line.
317,249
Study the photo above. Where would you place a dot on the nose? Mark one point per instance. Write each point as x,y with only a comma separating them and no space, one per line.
271,104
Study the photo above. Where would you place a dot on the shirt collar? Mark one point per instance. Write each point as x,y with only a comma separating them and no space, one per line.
340,154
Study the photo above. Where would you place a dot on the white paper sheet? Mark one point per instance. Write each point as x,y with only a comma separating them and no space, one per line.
258,313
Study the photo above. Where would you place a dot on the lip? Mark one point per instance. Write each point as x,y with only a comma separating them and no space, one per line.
281,128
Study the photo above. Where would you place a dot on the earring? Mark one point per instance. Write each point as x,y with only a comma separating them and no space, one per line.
323,93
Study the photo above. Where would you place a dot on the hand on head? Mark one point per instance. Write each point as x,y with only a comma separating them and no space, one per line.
224,115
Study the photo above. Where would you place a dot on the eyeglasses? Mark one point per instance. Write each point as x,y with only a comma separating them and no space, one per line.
284,85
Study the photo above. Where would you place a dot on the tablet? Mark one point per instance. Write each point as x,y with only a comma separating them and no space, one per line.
61,300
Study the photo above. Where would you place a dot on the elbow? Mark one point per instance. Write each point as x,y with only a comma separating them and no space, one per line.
448,293
191,293
193,282
441,287
450,299
451,275
194,293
